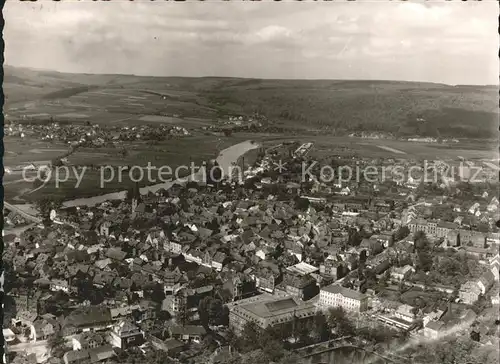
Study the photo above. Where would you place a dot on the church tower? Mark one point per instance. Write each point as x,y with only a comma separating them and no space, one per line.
136,196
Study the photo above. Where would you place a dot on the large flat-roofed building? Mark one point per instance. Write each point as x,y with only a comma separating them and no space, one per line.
338,296
269,312
302,268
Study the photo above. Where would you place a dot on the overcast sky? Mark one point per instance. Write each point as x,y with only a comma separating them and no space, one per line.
454,42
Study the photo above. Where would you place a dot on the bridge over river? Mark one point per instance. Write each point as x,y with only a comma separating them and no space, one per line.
349,354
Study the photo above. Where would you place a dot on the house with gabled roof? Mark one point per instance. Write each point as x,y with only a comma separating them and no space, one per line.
301,286
76,357
433,329
372,246
193,255
60,285
265,280
88,340
125,334
95,355
469,292
44,327
188,333
88,318
116,254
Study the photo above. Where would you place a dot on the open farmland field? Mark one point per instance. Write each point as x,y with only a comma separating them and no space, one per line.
117,106
192,148
93,102
160,119
28,150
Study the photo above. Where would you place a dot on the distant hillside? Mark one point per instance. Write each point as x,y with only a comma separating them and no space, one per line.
401,108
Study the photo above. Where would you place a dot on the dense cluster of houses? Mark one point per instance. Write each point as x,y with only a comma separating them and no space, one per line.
91,135
471,290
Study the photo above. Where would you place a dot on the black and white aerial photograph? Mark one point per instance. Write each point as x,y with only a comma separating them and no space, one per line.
250,182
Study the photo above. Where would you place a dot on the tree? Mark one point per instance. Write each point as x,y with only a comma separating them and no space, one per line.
303,329
203,313
354,238
163,316
321,331
401,233
378,334
420,240
223,318
57,344
281,332
215,311
225,295
182,316
339,322
301,204
273,350
250,336
44,206
156,357
424,261
212,312
454,351
157,293
57,162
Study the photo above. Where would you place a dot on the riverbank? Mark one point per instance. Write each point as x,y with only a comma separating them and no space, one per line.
225,159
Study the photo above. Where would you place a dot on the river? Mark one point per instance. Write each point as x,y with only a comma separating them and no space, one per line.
225,160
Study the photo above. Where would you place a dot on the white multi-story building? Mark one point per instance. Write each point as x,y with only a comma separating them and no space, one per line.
338,296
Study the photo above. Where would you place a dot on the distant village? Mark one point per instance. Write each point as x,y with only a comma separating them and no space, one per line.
88,134
189,274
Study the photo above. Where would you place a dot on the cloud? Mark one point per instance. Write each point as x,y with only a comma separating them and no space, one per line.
379,40
273,33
